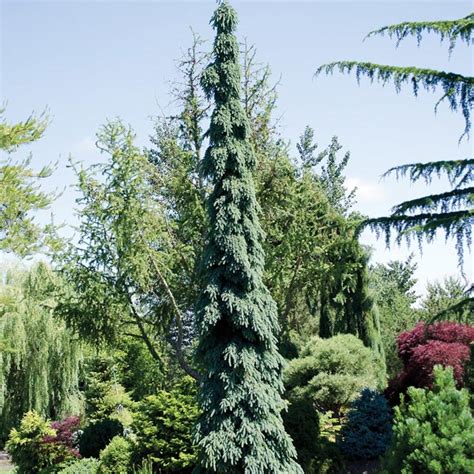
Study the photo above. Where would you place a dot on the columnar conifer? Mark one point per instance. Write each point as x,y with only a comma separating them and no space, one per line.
240,430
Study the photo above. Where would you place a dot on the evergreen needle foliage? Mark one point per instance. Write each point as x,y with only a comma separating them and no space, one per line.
450,212
458,90
20,194
241,429
434,431
450,30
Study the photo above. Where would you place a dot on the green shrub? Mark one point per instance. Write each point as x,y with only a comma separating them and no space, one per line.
367,431
302,424
81,466
163,426
104,396
28,449
97,436
116,458
313,437
434,431
331,372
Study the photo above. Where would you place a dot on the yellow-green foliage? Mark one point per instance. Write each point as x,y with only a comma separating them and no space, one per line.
163,426
331,372
40,359
116,458
19,191
26,447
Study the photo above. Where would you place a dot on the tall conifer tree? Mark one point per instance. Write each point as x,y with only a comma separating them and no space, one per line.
240,430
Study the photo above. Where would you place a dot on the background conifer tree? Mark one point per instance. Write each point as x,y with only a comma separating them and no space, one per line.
240,429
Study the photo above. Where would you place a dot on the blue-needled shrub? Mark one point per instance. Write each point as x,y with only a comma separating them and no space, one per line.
434,431
116,457
368,428
97,436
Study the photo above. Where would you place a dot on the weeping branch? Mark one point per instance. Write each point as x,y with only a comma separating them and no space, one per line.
459,172
457,89
451,30
455,224
445,202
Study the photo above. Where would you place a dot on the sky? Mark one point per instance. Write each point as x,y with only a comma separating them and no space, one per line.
86,61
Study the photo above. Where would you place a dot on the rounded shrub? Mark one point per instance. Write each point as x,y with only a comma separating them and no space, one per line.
331,372
421,348
97,436
367,431
434,431
116,458
163,427
36,446
81,466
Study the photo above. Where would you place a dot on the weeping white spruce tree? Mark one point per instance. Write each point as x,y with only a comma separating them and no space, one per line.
240,430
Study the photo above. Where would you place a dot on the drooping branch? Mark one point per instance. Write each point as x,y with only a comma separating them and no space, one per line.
456,224
450,30
459,172
444,202
457,89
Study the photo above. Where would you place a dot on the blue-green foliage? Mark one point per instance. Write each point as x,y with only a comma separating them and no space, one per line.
241,429
368,429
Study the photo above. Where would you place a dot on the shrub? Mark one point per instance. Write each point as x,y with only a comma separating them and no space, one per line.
368,427
434,431
328,374
163,426
302,424
65,432
423,347
104,397
81,466
36,445
331,372
97,436
116,457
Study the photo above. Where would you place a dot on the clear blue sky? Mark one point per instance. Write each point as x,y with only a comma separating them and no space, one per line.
87,61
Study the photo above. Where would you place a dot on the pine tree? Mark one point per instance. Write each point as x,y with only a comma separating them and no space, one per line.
451,211
433,430
241,429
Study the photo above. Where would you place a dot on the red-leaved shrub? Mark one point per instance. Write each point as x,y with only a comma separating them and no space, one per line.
423,347
63,440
